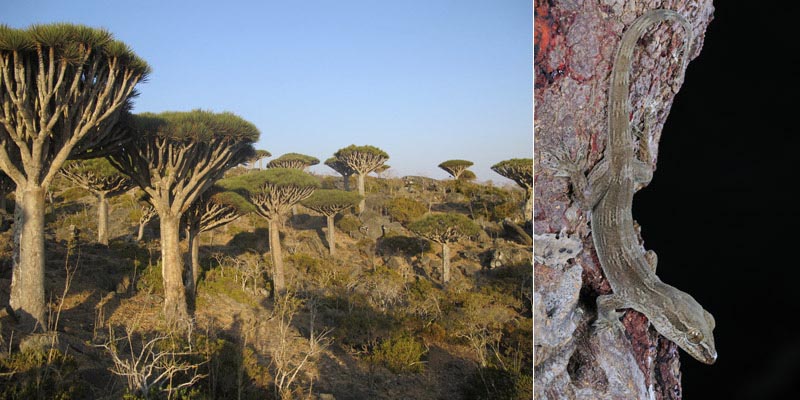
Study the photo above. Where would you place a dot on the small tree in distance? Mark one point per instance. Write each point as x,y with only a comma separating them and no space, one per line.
455,167
273,192
175,157
258,157
444,229
519,170
362,160
329,202
294,161
62,90
101,179
343,169
467,176
216,207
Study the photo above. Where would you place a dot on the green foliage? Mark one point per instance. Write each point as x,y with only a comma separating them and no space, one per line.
150,280
361,326
293,160
339,166
227,284
304,262
399,245
331,201
96,166
196,125
40,374
519,170
497,383
218,194
70,42
405,209
348,223
253,181
467,175
456,164
367,149
443,228
488,202
400,353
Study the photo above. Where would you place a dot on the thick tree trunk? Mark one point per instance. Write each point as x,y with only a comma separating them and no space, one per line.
278,280
27,279
445,263
362,192
175,307
346,182
193,239
331,234
102,219
575,47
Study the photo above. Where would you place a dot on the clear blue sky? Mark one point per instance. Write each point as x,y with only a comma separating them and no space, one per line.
425,80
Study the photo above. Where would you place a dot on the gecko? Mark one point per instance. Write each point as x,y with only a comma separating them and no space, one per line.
608,192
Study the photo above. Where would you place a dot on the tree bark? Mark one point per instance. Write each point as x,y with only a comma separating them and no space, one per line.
346,182
102,218
445,263
176,311
362,192
27,279
193,239
331,234
575,44
278,280
140,234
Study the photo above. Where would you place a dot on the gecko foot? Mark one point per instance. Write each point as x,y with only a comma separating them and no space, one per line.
564,163
607,314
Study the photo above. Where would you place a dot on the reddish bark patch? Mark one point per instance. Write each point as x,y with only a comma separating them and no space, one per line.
593,278
668,371
644,348
545,35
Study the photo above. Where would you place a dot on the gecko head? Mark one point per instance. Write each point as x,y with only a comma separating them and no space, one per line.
690,327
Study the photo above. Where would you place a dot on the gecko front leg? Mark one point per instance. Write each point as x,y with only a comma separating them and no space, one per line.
607,314
587,192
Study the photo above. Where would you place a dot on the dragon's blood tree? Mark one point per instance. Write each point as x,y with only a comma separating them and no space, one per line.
293,160
467,176
519,170
330,202
273,192
214,208
444,229
343,169
258,157
455,167
101,179
62,90
362,160
175,157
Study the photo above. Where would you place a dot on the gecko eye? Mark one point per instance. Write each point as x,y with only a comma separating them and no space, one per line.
695,336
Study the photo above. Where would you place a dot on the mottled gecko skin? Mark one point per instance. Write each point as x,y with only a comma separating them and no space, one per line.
609,194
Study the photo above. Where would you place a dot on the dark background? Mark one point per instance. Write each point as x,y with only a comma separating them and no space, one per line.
722,209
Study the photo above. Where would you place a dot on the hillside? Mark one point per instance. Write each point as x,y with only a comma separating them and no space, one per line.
375,321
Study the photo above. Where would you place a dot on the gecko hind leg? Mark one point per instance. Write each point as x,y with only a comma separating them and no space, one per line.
607,314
